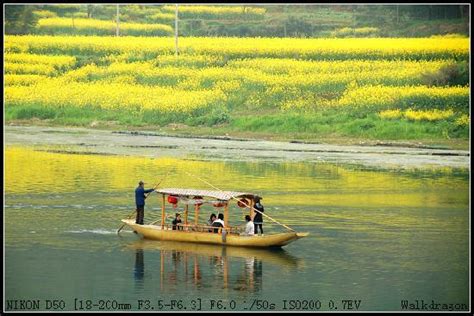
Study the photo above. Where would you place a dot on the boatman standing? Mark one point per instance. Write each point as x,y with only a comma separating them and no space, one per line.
258,218
140,201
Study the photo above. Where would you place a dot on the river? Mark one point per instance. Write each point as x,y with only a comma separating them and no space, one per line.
386,224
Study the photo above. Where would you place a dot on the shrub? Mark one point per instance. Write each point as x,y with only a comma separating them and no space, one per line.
451,74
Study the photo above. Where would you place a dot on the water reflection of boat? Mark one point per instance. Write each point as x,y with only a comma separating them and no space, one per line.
184,264
198,233
139,269
278,256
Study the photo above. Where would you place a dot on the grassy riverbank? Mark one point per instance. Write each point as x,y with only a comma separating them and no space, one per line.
226,131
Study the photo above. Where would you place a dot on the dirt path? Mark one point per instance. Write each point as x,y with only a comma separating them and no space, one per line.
149,144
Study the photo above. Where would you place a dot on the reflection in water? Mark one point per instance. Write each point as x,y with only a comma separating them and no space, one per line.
209,266
302,184
139,270
251,278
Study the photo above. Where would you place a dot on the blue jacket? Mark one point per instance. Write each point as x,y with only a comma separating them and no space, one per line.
140,195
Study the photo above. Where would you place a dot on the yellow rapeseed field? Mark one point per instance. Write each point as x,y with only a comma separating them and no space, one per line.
55,60
418,115
318,48
214,10
58,25
381,75
430,115
391,97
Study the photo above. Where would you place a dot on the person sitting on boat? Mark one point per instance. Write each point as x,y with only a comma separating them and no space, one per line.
219,222
211,220
177,222
258,218
249,227
140,201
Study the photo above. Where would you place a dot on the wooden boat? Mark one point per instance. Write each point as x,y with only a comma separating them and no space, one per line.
197,233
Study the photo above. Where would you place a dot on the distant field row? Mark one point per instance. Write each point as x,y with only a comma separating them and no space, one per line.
166,12
142,48
205,70
81,26
162,25
156,21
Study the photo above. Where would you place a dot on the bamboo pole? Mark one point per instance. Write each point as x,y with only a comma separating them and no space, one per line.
117,29
176,31
226,215
252,213
196,214
163,212
186,214
252,208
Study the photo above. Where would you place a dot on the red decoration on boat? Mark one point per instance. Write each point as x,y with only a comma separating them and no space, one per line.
172,199
242,203
198,198
219,204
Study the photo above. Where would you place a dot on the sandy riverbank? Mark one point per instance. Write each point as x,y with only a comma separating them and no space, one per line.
152,144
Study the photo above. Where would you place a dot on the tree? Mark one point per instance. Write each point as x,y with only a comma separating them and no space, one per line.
19,19
298,27
90,10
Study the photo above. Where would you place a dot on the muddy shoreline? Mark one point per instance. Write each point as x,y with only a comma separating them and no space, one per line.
152,144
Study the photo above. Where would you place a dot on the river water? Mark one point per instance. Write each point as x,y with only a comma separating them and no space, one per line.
379,234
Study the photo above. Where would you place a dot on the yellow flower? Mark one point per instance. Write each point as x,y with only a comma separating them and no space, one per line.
463,120
390,114
429,115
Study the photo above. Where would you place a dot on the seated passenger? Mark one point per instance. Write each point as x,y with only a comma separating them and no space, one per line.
249,227
176,222
219,222
211,220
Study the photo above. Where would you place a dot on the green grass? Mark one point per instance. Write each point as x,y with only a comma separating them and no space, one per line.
332,123
325,127
319,124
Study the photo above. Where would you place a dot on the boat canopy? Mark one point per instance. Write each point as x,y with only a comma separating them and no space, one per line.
220,195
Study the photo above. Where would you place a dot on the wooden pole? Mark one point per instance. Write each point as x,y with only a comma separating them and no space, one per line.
226,215
176,31
398,14
186,214
252,213
129,216
117,29
196,214
163,212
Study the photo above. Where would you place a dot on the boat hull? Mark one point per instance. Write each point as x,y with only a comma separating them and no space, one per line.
156,233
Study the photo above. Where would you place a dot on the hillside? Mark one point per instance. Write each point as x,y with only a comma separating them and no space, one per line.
242,21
